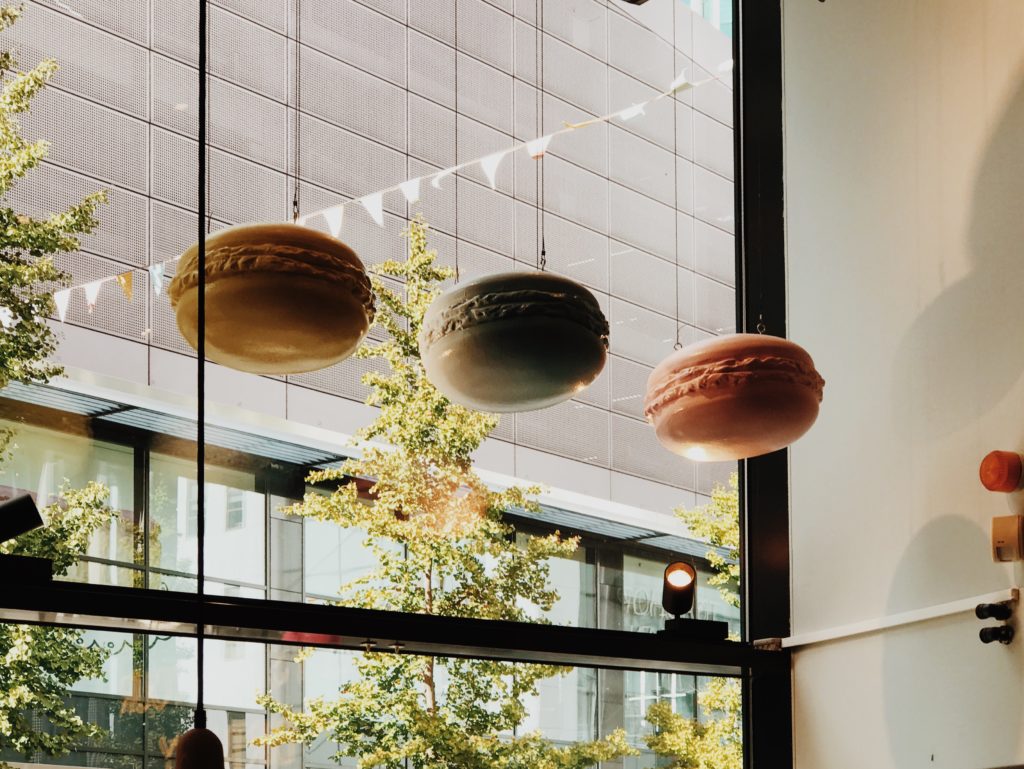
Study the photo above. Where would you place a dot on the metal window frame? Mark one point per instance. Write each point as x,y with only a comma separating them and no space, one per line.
760,282
761,298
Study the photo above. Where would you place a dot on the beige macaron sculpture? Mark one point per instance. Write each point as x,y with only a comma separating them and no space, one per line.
280,298
514,341
733,397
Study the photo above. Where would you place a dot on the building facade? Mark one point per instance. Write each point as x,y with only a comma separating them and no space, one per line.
335,100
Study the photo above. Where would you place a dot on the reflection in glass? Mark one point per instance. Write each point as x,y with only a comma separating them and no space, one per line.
235,522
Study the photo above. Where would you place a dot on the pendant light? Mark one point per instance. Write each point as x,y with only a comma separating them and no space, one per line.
200,748
281,298
515,341
731,397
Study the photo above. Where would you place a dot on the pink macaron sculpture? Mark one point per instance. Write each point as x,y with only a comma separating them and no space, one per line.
733,397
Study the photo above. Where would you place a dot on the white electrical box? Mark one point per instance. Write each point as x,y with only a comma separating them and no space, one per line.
1007,537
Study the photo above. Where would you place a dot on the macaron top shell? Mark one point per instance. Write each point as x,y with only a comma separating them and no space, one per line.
511,295
276,247
721,365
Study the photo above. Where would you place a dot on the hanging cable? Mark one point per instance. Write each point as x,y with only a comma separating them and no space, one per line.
675,184
297,113
456,174
542,258
200,714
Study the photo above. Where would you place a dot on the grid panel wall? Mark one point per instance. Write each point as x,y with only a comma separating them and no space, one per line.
638,211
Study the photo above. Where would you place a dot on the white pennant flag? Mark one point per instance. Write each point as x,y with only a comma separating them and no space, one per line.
725,66
92,292
436,181
411,190
631,112
61,299
156,277
681,83
538,147
334,217
374,205
6,317
490,165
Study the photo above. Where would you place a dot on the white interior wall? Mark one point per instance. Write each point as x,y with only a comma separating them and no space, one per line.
905,219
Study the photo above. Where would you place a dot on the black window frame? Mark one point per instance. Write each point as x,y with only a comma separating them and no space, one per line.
766,672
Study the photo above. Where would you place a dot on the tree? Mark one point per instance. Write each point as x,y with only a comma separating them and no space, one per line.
718,522
716,741
41,663
442,548
27,244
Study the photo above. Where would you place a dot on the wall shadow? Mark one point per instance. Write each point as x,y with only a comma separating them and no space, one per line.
942,382
944,692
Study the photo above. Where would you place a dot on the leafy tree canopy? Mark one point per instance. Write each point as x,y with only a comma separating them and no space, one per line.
716,740
441,547
27,244
41,663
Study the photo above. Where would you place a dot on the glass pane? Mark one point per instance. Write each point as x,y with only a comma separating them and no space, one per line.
235,521
636,210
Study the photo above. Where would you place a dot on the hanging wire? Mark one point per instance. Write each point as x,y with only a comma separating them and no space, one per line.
675,184
296,112
542,257
456,174
200,713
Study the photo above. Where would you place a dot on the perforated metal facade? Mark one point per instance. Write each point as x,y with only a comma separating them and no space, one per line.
640,212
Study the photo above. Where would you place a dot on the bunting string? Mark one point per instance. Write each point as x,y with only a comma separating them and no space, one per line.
334,216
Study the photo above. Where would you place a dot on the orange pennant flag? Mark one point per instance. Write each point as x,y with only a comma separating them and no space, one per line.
124,280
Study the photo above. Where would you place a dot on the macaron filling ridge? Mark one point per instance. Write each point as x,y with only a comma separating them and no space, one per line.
517,303
706,378
227,260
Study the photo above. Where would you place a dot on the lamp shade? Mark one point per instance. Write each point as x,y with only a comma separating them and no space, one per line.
733,397
514,341
280,298
199,749
678,588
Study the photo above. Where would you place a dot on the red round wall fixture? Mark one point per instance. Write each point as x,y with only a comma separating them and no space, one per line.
733,397
280,298
514,341
1001,471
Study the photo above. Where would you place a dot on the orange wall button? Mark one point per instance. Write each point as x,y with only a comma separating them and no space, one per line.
1001,471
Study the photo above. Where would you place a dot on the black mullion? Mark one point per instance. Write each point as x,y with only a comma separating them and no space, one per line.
761,298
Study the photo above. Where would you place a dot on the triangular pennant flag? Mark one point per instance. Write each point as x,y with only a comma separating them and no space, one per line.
631,112
374,205
490,165
538,147
126,281
436,181
61,299
725,66
92,292
334,217
156,277
6,317
680,83
411,190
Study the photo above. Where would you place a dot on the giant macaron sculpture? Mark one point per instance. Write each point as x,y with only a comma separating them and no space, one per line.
733,397
280,298
514,341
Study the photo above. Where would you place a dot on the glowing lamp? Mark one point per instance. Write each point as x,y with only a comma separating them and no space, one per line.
678,589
